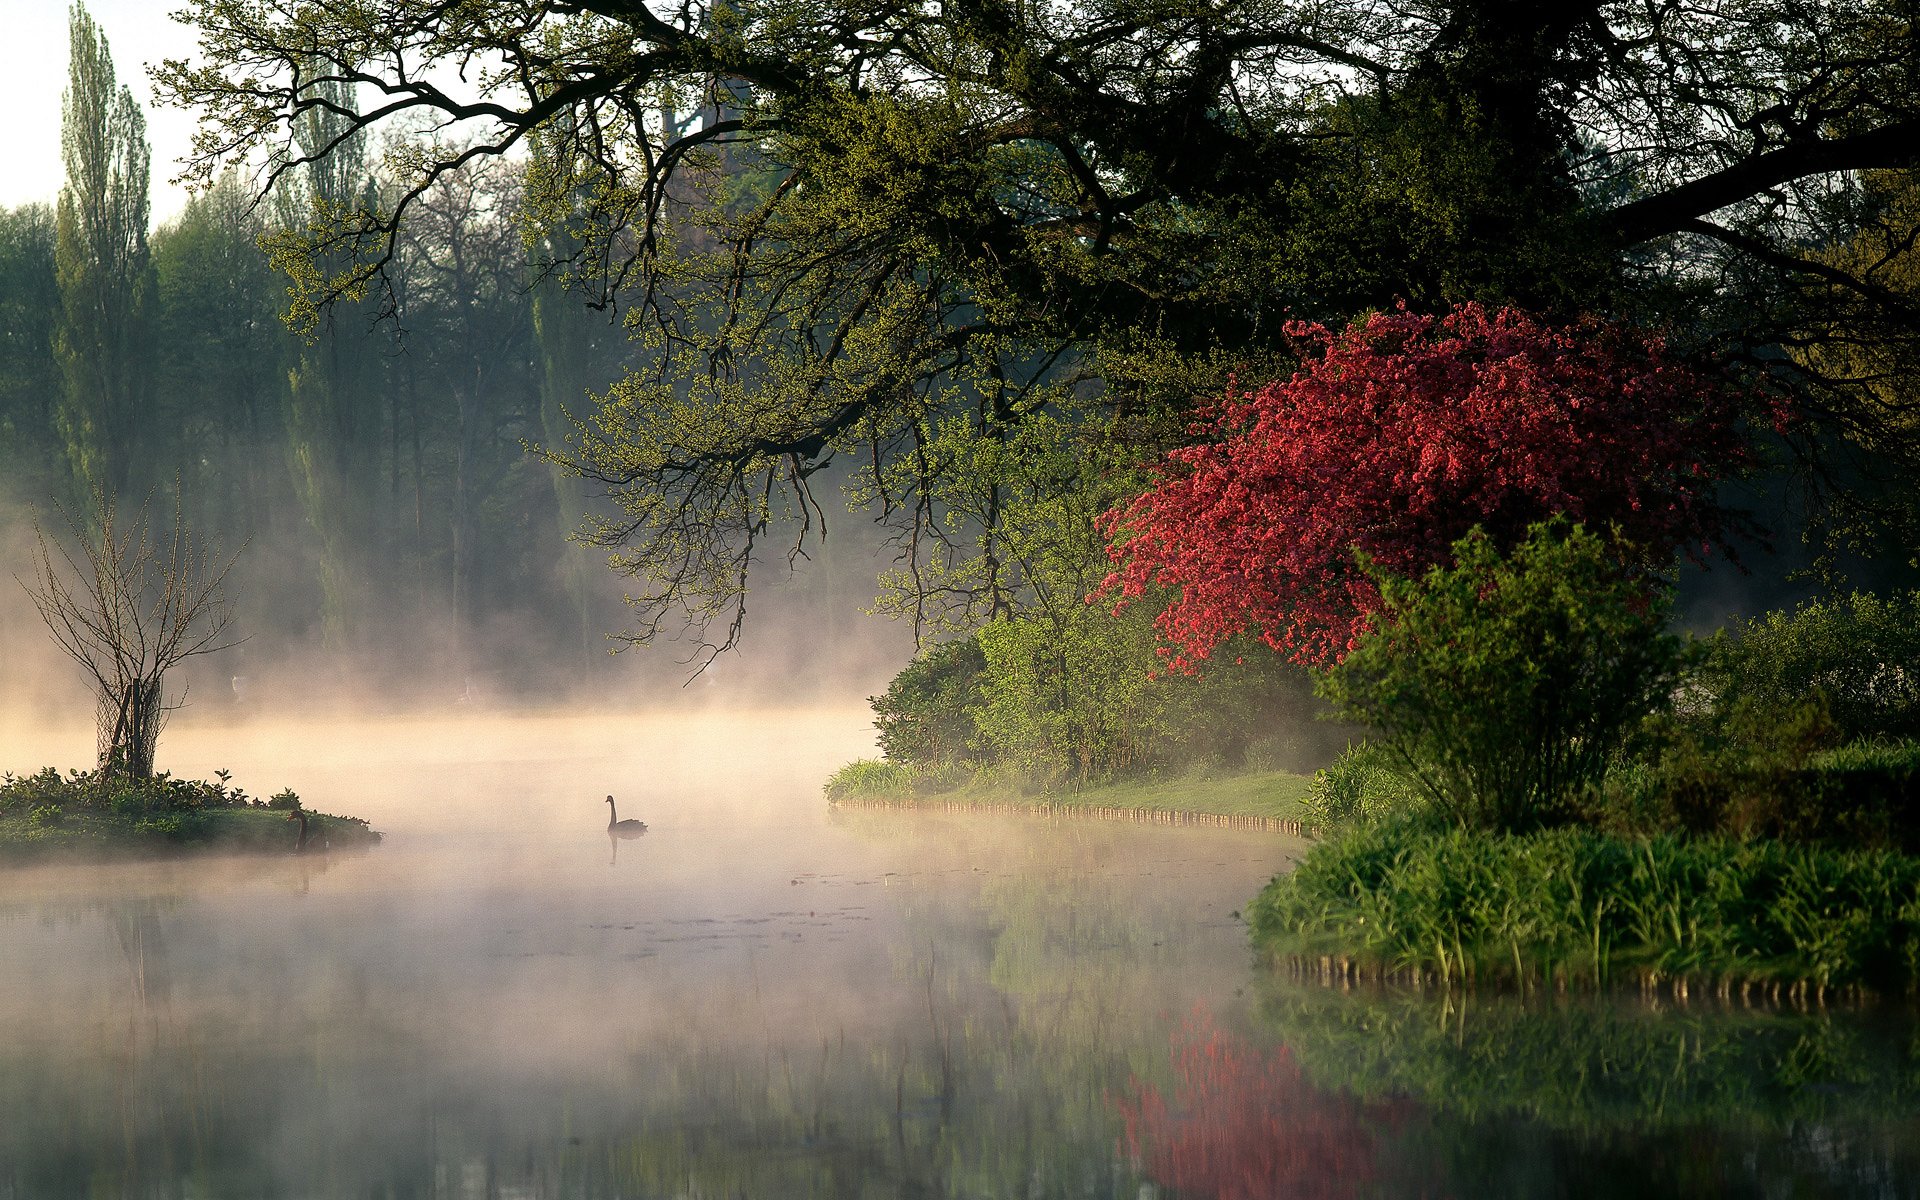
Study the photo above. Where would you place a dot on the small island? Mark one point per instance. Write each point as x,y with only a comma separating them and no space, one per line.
127,603
95,815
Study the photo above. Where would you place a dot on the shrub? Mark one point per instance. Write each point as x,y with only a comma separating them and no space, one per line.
1858,656
1360,789
870,777
1718,769
1506,686
1070,695
926,714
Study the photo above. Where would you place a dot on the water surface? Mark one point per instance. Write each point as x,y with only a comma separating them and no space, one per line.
760,998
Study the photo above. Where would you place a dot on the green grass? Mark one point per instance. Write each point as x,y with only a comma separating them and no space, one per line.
1271,794
1573,906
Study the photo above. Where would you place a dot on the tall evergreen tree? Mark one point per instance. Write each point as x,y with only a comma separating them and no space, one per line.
103,266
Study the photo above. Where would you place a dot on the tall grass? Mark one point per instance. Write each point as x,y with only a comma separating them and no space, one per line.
1575,906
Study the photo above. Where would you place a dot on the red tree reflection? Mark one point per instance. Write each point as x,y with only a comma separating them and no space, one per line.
1243,1125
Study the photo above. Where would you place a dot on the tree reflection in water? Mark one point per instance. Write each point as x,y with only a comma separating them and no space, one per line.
1243,1124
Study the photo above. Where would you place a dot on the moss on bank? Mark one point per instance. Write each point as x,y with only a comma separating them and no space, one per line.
83,816
1269,795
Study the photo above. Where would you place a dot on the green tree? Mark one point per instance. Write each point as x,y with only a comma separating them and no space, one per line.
30,378
104,268
1506,686
221,362
469,327
332,415
885,214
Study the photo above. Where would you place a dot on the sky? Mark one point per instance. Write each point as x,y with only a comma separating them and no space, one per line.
33,74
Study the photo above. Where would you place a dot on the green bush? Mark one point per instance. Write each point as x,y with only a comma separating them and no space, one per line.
1572,904
926,715
1857,656
123,795
1086,697
870,777
1360,789
1072,698
1507,687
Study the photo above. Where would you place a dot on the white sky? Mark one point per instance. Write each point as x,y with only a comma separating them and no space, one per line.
33,74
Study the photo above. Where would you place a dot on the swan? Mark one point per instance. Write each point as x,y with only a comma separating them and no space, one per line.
618,828
307,843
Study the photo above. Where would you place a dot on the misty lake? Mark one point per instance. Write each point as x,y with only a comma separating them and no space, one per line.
762,998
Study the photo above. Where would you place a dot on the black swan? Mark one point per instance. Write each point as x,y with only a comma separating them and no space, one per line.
619,828
307,843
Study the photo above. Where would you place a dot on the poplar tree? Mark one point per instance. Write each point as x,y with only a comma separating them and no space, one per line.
103,267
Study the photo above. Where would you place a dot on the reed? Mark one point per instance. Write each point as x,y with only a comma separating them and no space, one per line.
1572,907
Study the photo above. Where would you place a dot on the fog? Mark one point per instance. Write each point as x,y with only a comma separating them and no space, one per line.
755,993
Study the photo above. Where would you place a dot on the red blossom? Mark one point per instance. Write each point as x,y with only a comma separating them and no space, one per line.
1398,436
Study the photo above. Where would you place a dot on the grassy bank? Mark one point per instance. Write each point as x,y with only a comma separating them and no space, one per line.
1267,796
82,816
1575,907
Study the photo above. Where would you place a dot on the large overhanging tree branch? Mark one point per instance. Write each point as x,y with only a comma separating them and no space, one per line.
838,222
128,603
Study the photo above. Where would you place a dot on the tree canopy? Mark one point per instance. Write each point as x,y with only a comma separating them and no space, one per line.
1397,437
840,221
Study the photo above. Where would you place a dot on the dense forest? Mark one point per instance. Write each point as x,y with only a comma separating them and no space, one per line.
375,467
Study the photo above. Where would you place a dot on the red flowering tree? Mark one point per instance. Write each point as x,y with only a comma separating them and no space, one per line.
1243,1124
1398,436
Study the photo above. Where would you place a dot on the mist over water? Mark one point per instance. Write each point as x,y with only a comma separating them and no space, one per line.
760,997
492,994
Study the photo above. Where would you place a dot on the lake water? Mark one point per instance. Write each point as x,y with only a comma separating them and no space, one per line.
759,998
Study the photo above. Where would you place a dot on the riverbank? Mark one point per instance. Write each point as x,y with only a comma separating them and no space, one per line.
1266,800
1571,907
82,817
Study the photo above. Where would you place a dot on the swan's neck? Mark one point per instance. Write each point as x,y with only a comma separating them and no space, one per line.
613,814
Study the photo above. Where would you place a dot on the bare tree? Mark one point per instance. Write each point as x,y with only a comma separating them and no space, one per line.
128,604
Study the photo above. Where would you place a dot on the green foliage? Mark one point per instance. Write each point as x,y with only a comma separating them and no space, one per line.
1573,905
1072,698
1362,788
1857,656
104,791
1505,686
870,777
1798,727
102,262
98,814
926,715
29,377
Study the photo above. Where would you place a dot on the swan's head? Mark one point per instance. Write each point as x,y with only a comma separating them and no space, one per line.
609,799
